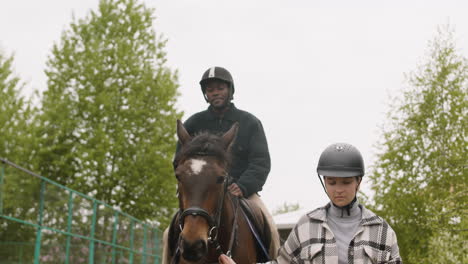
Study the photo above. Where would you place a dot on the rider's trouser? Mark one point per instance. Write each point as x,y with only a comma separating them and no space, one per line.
275,241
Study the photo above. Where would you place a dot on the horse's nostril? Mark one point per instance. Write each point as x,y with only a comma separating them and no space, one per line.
193,251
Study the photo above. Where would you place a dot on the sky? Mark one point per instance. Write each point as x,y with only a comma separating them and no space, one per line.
314,72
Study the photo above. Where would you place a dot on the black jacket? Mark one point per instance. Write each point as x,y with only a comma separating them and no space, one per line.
250,157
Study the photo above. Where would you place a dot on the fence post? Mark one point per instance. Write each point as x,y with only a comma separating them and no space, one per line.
37,248
93,228
114,235
21,254
132,233
157,259
69,225
143,259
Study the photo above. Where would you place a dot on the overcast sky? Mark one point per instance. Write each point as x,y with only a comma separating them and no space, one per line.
314,72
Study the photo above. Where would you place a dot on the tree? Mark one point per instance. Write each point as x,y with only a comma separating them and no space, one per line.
108,117
16,144
419,177
15,113
286,208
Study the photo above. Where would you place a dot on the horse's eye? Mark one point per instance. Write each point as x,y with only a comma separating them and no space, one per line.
177,177
220,179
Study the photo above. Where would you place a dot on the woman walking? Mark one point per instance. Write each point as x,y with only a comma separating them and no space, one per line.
343,231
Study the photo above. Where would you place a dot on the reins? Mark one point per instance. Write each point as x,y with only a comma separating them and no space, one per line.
234,227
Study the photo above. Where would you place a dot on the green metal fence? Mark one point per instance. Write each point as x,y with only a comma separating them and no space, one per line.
42,221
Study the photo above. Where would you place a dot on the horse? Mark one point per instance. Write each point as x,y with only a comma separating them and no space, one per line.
210,220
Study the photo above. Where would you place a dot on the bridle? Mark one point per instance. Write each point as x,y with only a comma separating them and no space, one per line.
212,220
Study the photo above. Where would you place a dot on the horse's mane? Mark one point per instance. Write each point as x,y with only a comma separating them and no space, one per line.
204,144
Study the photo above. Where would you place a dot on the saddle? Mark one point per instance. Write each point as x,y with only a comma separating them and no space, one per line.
249,210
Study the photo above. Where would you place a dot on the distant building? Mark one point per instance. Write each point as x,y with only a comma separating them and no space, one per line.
286,222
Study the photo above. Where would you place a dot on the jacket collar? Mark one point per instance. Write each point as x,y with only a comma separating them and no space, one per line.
368,217
228,115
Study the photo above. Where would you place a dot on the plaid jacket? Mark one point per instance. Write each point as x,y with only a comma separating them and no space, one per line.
312,241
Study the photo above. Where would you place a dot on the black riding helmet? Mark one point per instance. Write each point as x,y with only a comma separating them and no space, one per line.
217,73
341,160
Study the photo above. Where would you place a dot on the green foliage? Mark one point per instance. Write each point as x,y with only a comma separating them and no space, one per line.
419,178
16,144
108,116
286,207
448,248
15,114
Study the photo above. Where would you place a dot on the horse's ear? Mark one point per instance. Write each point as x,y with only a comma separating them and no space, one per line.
182,133
228,137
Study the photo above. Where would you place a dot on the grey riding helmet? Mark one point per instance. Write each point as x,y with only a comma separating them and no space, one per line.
341,160
217,73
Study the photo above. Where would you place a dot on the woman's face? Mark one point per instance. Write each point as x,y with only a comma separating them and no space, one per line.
341,190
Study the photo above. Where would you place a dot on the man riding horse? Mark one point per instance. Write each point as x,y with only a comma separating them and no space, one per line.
250,156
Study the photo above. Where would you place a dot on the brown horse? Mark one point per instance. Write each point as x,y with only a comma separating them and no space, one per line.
210,221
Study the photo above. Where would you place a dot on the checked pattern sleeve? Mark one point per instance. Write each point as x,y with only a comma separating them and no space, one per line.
308,240
291,251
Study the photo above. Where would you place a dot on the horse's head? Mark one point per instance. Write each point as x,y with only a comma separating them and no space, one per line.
201,170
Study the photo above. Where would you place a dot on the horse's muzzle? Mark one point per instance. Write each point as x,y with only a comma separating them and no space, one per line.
193,251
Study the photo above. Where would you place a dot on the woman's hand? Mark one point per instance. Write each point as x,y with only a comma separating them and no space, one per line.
223,259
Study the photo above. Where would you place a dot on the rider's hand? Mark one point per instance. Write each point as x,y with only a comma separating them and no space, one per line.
223,259
234,189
